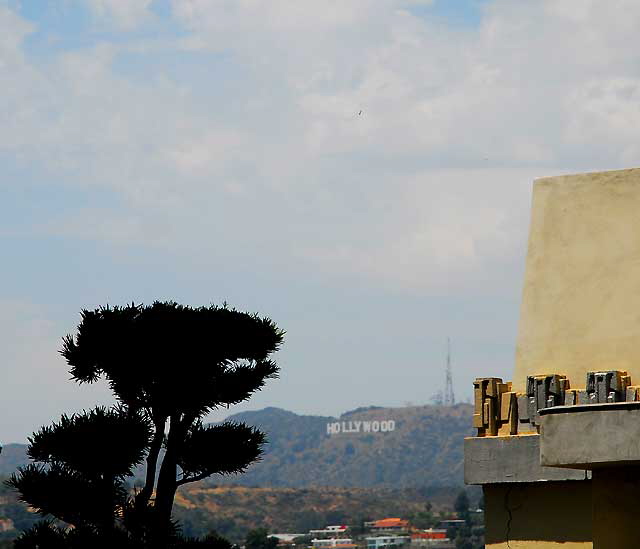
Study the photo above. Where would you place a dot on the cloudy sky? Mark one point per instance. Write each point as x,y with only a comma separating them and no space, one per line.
359,170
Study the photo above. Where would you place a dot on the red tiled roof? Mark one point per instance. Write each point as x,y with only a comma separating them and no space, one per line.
391,523
436,534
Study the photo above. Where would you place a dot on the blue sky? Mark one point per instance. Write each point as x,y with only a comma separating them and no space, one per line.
204,151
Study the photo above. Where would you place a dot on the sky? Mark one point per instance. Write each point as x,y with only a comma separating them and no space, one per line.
360,171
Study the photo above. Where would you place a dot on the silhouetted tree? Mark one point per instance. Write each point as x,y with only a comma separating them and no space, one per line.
259,539
463,532
168,366
463,543
461,505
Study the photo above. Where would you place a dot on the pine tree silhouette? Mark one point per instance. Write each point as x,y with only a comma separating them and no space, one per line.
168,365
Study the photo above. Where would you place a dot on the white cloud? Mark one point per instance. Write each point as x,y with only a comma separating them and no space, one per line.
454,125
16,30
441,229
125,14
605,111
285,15
235,139
209,154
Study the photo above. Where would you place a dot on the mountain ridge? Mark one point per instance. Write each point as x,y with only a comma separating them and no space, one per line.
369,446
425,447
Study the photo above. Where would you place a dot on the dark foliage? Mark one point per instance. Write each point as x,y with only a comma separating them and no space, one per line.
470,535
169,357
461,505
202,456
259,539
47,535
168,365
95,443
43,534
67,495
210,541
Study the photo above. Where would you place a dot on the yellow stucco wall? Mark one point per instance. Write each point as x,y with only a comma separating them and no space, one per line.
538,515
581,299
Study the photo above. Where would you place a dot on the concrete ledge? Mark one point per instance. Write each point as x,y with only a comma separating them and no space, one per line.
489,460
590,436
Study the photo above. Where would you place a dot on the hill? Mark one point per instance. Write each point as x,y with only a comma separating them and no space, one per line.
11,457
424,448
317,470
234,510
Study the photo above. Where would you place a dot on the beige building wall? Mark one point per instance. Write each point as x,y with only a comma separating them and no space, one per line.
541,515
580,308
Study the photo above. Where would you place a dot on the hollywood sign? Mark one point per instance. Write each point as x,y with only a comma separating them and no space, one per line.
384,426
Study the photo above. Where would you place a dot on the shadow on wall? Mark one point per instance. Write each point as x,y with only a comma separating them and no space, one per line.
538,512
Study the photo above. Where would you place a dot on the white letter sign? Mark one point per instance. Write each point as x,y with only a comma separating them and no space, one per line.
353,427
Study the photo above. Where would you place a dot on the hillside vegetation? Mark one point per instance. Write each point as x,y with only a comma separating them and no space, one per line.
308,478
11,457
424,449
234,510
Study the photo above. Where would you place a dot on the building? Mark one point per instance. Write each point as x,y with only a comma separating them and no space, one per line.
429,534
379,542
431,538
285,539
556,448
333,543
388,525
330,531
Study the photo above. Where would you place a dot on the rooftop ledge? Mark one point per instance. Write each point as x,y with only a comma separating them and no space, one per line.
603,407
491,460
590,436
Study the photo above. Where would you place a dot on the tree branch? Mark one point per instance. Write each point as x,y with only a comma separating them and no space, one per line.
142,498
194,478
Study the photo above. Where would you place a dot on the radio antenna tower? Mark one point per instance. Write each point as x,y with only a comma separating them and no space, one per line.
449,397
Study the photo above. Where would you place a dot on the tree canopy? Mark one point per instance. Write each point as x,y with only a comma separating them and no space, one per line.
259,539
168,366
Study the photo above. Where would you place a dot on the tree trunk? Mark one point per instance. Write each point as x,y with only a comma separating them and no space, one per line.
167,482
142,498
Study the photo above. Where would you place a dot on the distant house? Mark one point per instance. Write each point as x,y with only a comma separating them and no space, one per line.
432,537
388,524
335,530
380,542
431,533
333,543
285,539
